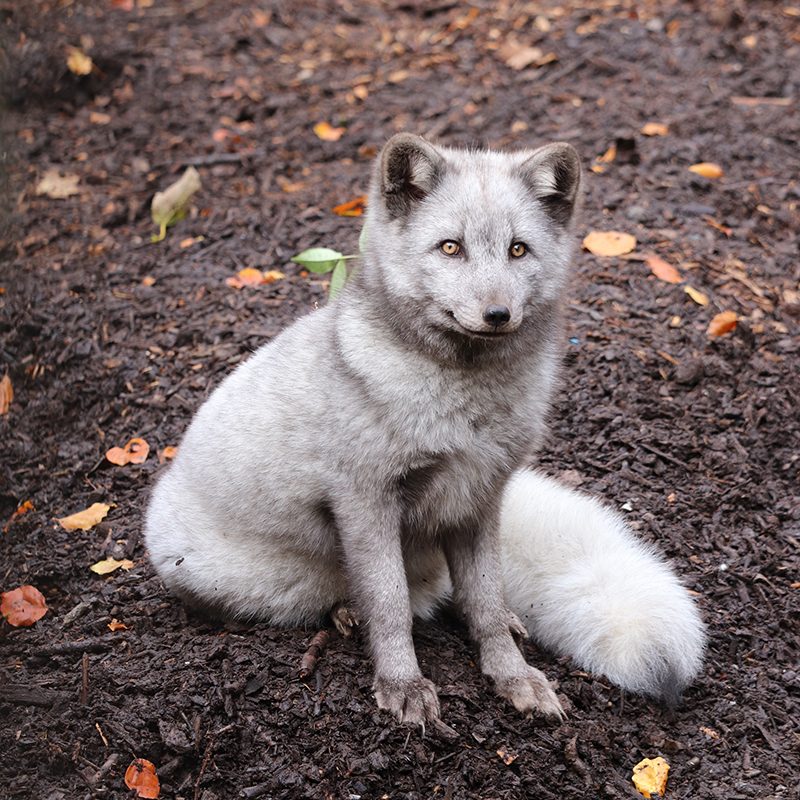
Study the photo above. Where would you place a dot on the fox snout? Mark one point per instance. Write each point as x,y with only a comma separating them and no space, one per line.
497,316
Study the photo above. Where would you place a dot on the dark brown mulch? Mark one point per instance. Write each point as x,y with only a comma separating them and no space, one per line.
698,436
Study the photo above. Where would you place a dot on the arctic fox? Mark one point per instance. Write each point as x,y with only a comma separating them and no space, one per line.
373,453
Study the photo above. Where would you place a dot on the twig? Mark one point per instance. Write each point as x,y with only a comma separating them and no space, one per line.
316,648
84,679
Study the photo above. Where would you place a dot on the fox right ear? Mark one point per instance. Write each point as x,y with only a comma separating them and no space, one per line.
553,174
410,168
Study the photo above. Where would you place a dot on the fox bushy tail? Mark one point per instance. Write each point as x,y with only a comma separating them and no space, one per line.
586,587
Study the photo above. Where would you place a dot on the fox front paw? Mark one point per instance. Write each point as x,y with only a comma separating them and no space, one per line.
412,702
529,692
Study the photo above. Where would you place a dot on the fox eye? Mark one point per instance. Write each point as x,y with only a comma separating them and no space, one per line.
517,250
450,248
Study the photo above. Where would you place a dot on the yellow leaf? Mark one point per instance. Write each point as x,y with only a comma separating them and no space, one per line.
272,275
698,297
723,323
171,204
654,129
327,132
83,520
663,270
6,394
707,169
57,186
249,276
108,565
609,243
650,776
78,62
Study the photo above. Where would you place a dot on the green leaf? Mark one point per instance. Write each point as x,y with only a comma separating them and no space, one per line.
338,279
362,238
318,259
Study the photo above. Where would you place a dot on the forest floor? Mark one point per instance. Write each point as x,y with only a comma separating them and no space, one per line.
105,336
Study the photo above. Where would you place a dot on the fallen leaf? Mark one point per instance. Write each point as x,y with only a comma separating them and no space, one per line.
352,208
6,394
507,756
723,323
22,508
718,225
707,169
663,270
398,76
109,565
135,452
78,62
650,776
167,454
58,186
710,732
189,241
600,162
99,118
170,205
609,243
698,297
115,625
141,776
654,129
83,520
326,132
148,280
23,606
272,275
519,56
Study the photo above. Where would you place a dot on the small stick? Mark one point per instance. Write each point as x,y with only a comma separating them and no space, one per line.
85,679
316,648
203,765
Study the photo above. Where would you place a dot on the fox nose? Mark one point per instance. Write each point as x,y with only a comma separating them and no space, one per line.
496,315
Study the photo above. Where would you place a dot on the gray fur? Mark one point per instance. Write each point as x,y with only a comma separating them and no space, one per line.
364,451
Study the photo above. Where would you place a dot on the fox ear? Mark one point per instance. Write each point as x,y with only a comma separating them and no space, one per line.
410,168
553,174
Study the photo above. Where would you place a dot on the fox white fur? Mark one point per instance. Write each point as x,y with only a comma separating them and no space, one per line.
373,453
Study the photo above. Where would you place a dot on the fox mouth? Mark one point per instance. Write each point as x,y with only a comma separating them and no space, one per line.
497,333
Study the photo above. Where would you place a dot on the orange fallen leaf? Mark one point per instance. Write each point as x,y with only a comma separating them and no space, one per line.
78,62
650,776
83,520
707,169
6,394
723,323
115,625
109,565
22,508
250,276
99,118
167,454
698,297
718,226
609,243
352,208
663,270
141,776
135,452
272,275
710,732
23,606
507,756
654,129
327,132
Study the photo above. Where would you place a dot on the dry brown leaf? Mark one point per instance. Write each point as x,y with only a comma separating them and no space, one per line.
58,186
167,454
398,76
134,452
272,275
710,732
352,208
707,169
115,625
99,118
78,62
663,270
141,777
109,565
83,520
609,243
22,508
722,323
326,132
654,129
6,394
23,606
519,56
718,225
699,298
650,776
507,756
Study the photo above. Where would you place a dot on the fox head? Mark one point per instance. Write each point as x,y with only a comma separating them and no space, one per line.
469,245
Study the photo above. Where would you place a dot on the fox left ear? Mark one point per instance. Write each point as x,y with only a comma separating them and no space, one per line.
410,168
553,174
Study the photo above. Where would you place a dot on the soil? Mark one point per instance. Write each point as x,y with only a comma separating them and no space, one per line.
105,336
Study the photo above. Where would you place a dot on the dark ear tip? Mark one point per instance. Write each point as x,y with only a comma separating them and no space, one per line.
404,139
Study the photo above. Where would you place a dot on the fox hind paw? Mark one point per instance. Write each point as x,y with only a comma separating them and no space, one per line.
412,702
531,692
